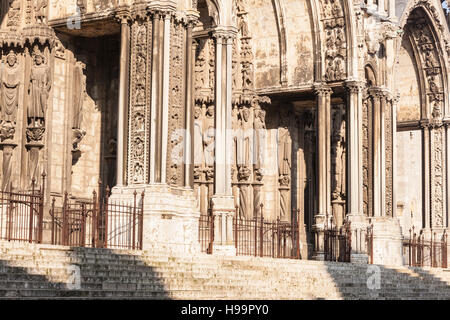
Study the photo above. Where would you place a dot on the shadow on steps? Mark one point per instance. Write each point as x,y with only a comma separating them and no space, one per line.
42,272
383,282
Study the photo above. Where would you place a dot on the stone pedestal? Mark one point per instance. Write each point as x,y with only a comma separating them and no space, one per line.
318,229
171,217
223,211
358,227
387,241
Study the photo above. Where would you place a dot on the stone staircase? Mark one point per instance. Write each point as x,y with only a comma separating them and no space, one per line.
29,271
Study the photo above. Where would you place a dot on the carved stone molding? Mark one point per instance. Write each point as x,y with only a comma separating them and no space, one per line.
139,104
175,168
437,177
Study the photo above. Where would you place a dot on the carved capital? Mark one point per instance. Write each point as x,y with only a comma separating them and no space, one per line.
355,86
123,14
224,36
35,134
322,90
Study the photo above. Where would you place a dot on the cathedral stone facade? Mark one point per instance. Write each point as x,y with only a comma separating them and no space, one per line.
338,109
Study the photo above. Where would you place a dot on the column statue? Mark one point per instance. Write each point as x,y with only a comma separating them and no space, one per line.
39,88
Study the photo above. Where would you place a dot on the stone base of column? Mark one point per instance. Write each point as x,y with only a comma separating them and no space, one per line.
223,212
387,241
171,217
358,227
318,228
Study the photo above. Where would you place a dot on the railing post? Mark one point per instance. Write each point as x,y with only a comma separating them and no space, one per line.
261,235
279,238
444,250
349,235
410,247
83,225
9,215
64,223
141,222
52,210
41,207
211,230
30,231
94,219
236,228
298,233
134,219
256,235
106,217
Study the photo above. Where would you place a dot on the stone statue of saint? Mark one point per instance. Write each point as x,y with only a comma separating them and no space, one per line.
9,89
41,11
78,94
244,138
198,137
284,166
284,152
209,136
259,137
39,88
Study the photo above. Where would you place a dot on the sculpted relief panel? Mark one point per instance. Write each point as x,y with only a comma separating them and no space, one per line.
334,35
138,165
175,171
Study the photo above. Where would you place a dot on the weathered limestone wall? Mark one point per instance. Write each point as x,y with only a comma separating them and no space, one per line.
300,48
266,48
407,84
409,186
64,8
59,119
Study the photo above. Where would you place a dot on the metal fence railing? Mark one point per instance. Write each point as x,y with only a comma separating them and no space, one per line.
421,252
21,214
98,223
337,242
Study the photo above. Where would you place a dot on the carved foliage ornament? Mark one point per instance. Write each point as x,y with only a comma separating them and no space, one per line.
176,106
139,109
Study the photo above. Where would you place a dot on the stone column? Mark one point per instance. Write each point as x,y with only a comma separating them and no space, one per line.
122,119
160,61
387,241
376,94
323,107
426,174
223,201
392,10
165,95
383,105
354,178
189,145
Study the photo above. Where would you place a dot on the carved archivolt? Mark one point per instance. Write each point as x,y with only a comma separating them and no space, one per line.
334,33
436,15
425,43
